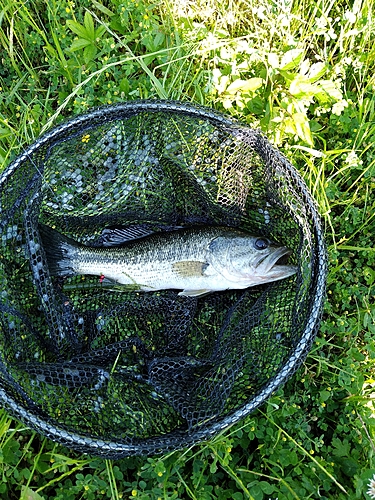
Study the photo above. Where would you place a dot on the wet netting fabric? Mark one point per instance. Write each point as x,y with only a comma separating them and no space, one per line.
113,372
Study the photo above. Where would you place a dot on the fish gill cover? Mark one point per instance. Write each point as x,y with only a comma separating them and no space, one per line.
114,371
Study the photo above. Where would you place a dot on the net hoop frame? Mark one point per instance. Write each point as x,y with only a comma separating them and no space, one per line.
177,439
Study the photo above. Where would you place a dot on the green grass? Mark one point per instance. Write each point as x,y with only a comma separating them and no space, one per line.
302,71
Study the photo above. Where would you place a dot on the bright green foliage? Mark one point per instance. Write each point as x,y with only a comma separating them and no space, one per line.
302,71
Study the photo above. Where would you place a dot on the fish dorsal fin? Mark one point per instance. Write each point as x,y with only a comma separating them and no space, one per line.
117,236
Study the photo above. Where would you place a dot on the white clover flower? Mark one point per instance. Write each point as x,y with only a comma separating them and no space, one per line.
371,487
350,17
324,27
230,18
339,107
352,159
330,35
321,22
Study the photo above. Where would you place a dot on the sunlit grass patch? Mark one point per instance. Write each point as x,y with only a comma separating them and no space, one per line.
303,72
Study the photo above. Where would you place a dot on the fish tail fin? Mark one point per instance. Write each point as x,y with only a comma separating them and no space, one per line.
60,251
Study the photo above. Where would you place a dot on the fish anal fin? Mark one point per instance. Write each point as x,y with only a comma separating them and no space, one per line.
195,293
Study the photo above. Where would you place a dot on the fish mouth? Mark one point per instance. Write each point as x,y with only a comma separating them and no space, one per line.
277,259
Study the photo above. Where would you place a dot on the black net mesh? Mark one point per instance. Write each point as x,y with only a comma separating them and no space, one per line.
112,372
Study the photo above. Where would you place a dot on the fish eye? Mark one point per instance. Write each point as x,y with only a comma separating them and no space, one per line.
261,244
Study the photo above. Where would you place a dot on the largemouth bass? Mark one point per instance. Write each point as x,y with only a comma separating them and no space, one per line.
196,260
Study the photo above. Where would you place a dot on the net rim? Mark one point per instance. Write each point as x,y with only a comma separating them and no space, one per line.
174,440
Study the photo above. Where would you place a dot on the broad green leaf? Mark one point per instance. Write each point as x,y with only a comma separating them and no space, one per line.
89,53
288,125
11,452
341,447
79,44
256,105
303,128
305,66
331,89
159,39
78,29
316,71
4,132
300,87
291,59
244,85
267,488
89,25
99,32
284,457
369,275
3,155
29,494
348,465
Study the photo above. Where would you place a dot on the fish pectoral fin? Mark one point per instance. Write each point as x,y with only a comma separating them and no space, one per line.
194,293
189,268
